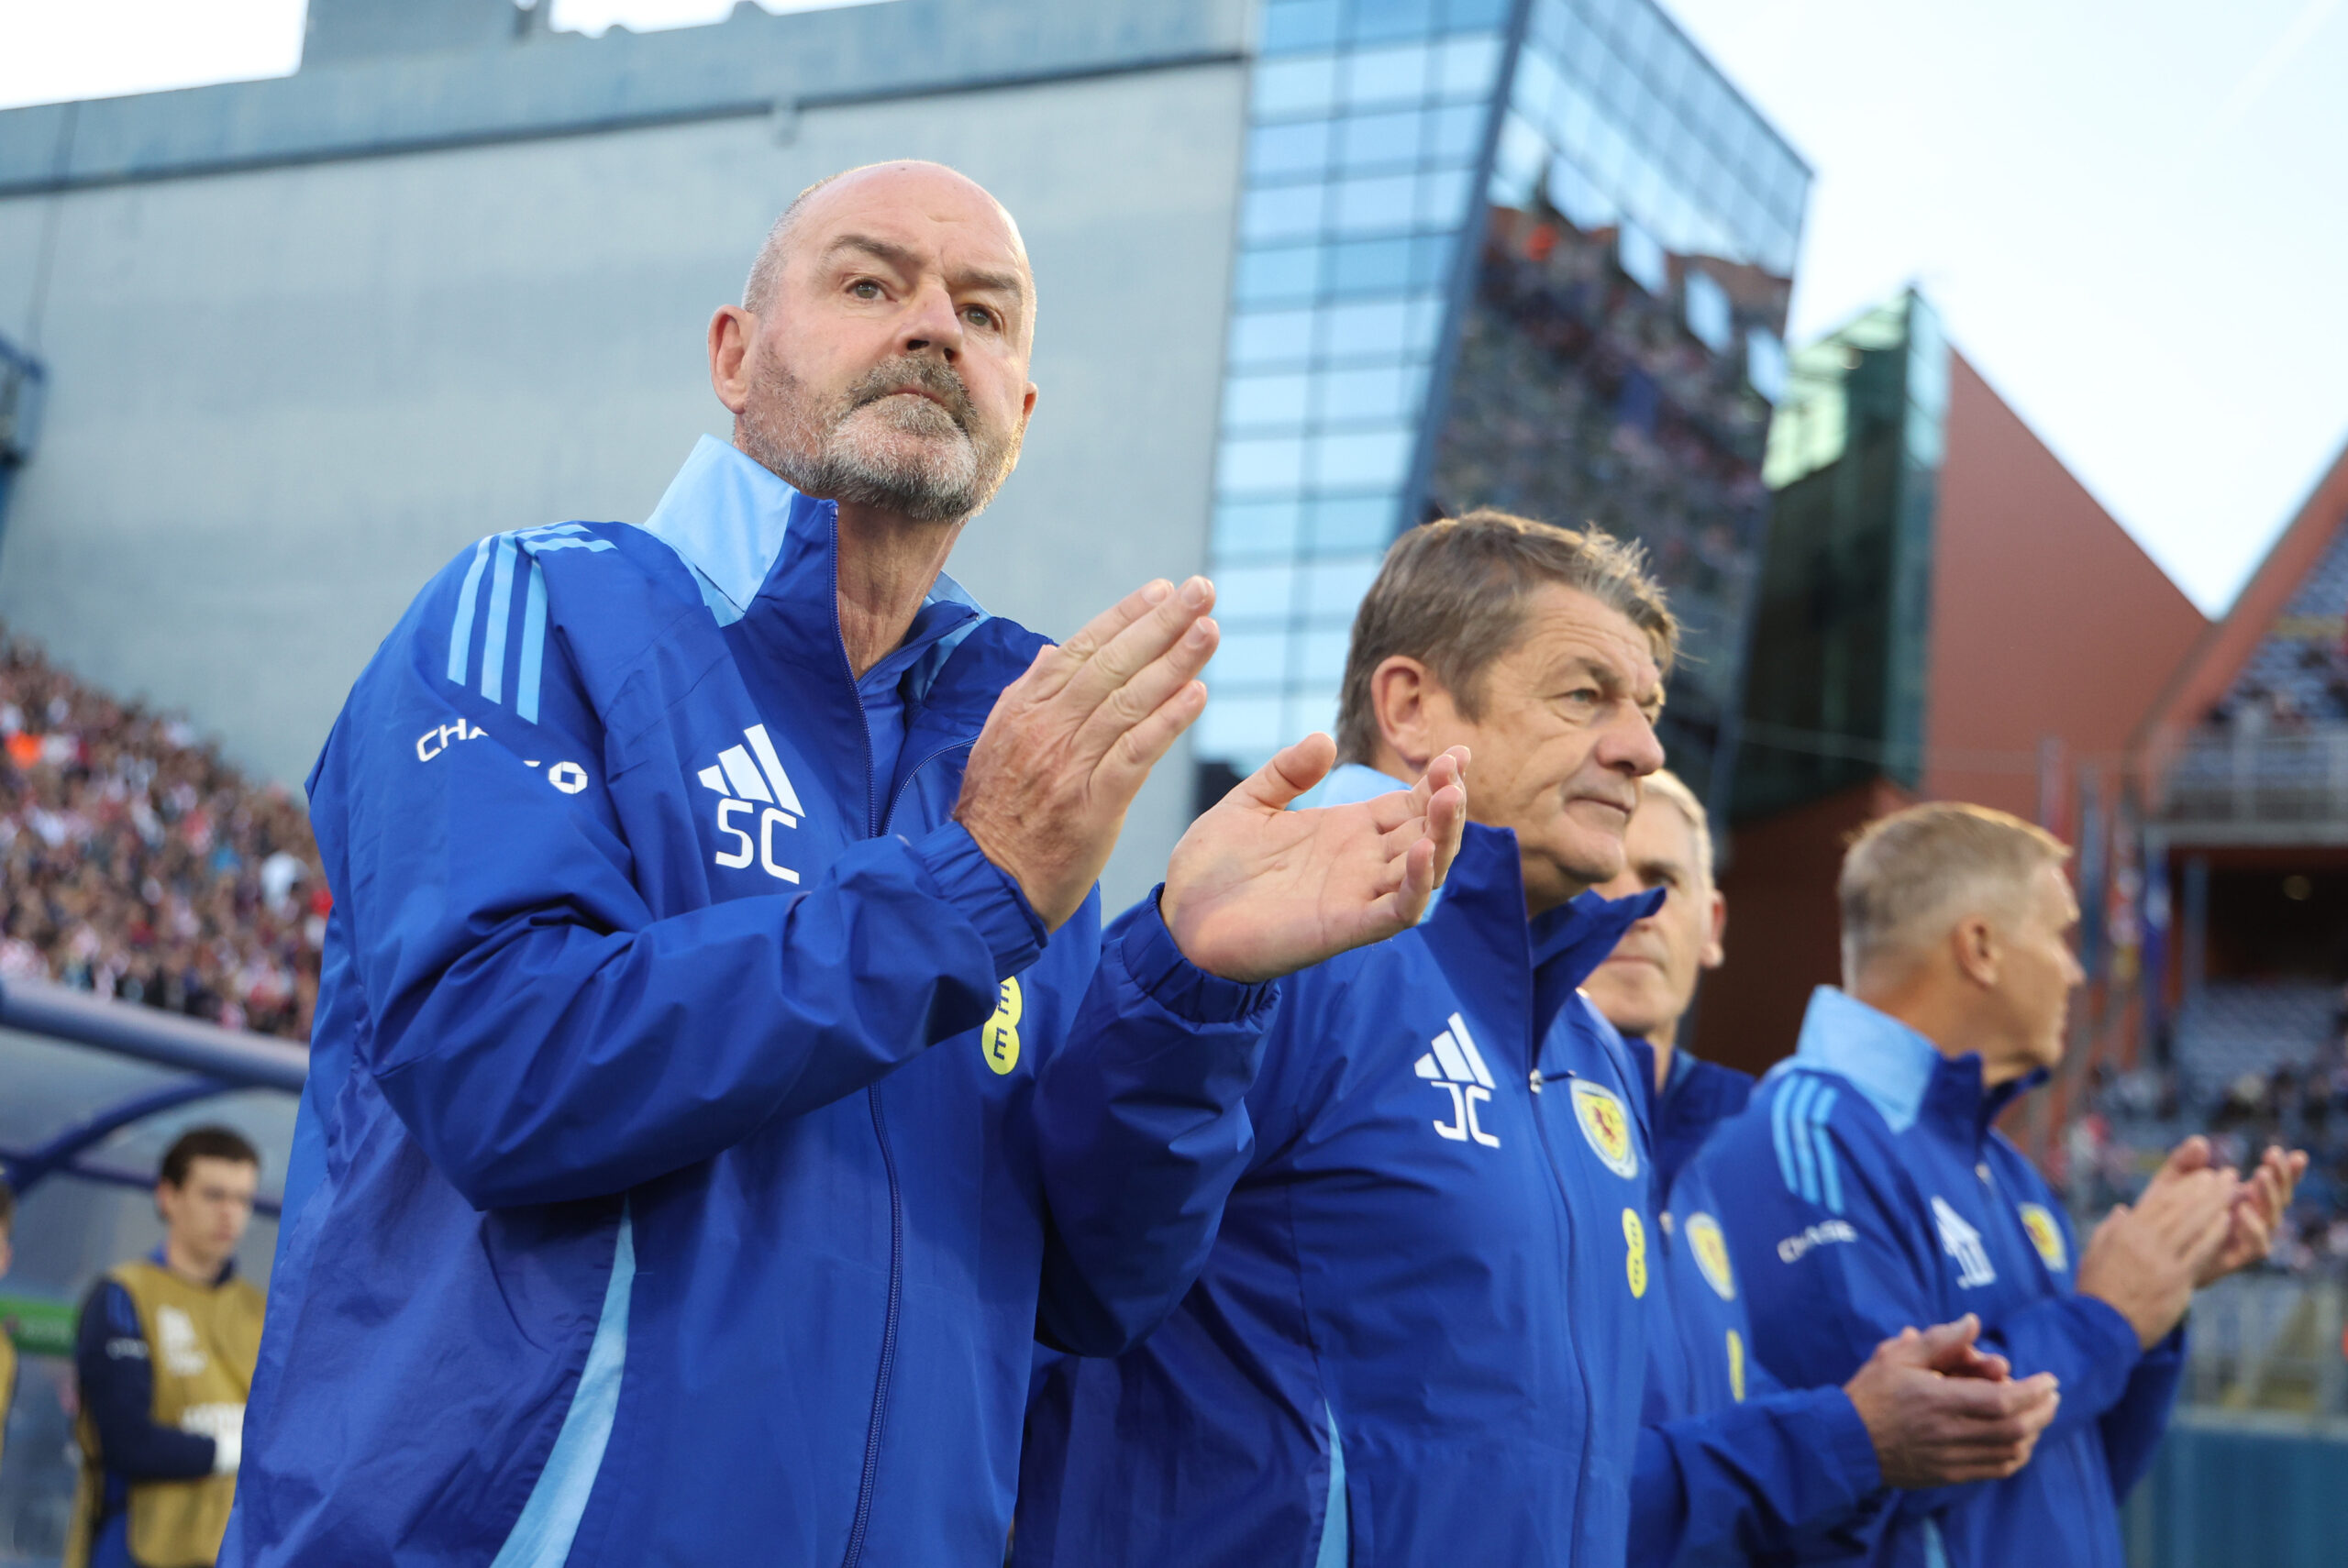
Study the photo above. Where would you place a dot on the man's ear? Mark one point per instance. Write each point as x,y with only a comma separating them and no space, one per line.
1973,944
1401,692
731,331
1715,953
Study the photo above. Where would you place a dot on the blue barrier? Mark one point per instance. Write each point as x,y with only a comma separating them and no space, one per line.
2254,1488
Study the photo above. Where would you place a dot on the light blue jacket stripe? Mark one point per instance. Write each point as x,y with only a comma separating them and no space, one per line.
501,609
460,633
1797,1117
1935,1551
1777,1103
1830,1175
1335,1526
534,644
541,1537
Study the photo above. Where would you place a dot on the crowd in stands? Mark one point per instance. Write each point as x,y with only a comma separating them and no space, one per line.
137,864
2133,1119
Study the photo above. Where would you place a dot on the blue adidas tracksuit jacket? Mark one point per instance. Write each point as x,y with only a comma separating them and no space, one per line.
1864,1190
1732,1468
1417,1340
699,1127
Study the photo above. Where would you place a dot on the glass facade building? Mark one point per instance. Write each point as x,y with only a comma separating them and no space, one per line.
1844,605
1533,256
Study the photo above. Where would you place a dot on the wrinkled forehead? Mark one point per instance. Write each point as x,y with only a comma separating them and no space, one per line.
925,209
1566,625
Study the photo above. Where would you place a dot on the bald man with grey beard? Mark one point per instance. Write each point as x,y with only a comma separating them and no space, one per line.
723,1072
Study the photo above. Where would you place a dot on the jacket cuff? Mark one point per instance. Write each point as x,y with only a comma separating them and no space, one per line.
2113,1332
985,895
1181,987
1844,1440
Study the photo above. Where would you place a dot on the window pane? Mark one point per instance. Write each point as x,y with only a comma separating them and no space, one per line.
1443,198
1709,316
1264,400
1254,593
1256,528
1290,89
1298,146
1369,266
1244,729
1378,202
1466,68
1454,132
1321,654
1261,337
1260,464
1383,392
1357,331
1281,212
1359,459
1249,660
1284,274
1314,708
1355,523
1300,25
1365,140
1374,20
1386,75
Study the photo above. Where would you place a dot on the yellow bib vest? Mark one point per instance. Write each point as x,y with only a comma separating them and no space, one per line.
7,1386
201,1343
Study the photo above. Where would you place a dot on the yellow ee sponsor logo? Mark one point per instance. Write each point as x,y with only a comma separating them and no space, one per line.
1635,1237
1711,1247
2045,1235
1736,1366
1000,1039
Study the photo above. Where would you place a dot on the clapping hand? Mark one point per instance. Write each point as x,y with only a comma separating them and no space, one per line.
2259,1203
1256,891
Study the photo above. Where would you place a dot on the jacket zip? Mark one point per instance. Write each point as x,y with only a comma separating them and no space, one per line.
862,1519
1582,1368
888,1337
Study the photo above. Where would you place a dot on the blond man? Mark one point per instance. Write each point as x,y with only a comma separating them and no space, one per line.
1867,1187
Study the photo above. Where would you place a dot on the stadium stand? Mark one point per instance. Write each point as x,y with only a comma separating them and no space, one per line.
138,865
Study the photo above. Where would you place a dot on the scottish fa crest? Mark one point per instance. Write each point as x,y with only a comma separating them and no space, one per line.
2045,1235
1607,1125
1711,1250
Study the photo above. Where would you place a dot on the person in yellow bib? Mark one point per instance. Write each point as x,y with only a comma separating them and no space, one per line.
165,1359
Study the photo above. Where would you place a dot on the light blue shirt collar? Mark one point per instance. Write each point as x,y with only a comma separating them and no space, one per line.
1884,1059
1349,784
726,514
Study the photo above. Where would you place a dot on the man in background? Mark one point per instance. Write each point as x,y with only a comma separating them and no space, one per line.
1647,988
1732,1467
1866,1186
165,1359
1420,1338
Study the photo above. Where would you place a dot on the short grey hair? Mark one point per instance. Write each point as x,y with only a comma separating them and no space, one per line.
1909,876
1452,596
1666,785
765,270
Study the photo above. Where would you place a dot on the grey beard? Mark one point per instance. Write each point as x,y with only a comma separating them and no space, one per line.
909,455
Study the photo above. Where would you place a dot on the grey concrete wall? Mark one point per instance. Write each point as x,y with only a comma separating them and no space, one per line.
281,397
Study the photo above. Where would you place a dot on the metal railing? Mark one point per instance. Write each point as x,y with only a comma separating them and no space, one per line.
2260,776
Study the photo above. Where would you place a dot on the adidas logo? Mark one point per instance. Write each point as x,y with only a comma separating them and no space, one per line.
747,778
1455,1065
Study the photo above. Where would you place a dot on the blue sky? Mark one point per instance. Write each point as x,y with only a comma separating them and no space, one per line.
2132,214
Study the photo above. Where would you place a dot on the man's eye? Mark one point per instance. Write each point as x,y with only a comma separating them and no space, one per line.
979,315
865,289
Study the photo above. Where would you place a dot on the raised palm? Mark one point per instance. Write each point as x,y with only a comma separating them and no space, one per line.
1256,891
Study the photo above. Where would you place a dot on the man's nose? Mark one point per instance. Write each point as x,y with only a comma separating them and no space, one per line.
1631,745
932,323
